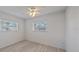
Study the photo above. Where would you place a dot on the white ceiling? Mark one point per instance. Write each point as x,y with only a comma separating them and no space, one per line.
20,11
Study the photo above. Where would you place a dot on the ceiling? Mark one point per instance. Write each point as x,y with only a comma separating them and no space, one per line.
20,11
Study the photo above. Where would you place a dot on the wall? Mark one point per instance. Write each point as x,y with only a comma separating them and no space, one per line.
55,31
72,29
8,38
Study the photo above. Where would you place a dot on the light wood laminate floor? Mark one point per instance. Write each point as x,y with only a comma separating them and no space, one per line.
28,46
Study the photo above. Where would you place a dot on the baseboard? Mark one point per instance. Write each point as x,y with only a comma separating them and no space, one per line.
59,49
11,44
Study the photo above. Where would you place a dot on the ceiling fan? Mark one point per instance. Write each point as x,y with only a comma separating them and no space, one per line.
33,11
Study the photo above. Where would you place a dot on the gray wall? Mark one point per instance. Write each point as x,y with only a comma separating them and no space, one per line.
55,30
8,38
72,29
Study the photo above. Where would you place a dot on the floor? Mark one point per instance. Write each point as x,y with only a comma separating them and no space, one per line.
28,46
